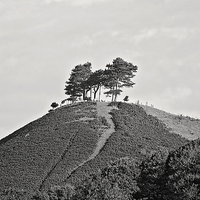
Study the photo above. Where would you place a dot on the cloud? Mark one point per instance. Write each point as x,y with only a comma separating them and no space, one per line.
49,1
76,2
178,33
142,35
176,94
83,41
85,2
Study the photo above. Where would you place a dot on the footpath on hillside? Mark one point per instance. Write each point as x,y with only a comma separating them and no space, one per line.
103,110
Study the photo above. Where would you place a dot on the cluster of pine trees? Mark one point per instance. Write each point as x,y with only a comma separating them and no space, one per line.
115,76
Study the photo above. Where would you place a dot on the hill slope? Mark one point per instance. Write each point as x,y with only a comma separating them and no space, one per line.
185,126
61,147
136,135
67,172
29,154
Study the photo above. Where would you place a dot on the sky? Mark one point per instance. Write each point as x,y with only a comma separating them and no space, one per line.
41,41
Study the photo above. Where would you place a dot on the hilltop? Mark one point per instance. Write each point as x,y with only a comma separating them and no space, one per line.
68,144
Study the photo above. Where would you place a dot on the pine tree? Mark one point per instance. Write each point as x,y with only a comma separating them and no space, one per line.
119,75
76,85
95,82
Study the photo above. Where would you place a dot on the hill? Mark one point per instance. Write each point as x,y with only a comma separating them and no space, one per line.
185,126
71,142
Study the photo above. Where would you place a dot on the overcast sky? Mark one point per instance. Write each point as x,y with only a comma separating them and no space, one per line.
42,40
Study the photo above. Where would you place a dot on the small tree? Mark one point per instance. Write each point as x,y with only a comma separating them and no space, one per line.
54,105
126,98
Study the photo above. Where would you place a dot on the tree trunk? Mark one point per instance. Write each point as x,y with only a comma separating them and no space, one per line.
95,91
91,93
113,89
84,94
116,93
100,93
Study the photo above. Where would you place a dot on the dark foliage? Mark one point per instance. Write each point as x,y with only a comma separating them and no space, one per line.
116,181
54,105
54,193
126,98
119,75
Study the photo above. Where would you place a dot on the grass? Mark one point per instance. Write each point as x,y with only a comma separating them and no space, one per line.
29,154
44,152
136,135
185,126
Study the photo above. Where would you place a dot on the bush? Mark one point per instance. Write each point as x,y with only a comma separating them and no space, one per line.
116,181
54,105
54,193
126,98
172,176
152,172
13,194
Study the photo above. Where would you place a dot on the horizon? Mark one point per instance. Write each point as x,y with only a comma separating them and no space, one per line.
41,41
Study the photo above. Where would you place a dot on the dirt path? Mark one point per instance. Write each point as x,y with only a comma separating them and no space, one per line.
103,110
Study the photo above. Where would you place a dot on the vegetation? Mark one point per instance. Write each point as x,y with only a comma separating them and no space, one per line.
28,155
119,75
137,135
13,194
64,156
164,175
116,181
95,82
54,105
54,193
76,86
185,126
139,160
116,76
126,99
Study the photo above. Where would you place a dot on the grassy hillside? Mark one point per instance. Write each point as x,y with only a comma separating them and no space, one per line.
44,152
185,126
29,155
136,135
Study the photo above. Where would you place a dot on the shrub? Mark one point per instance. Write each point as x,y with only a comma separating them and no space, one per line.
116,181
152,172
126,98
54,105
13,194
54,193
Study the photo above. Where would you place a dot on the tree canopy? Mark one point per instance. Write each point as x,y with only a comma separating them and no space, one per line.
119,75
76,86
113,78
